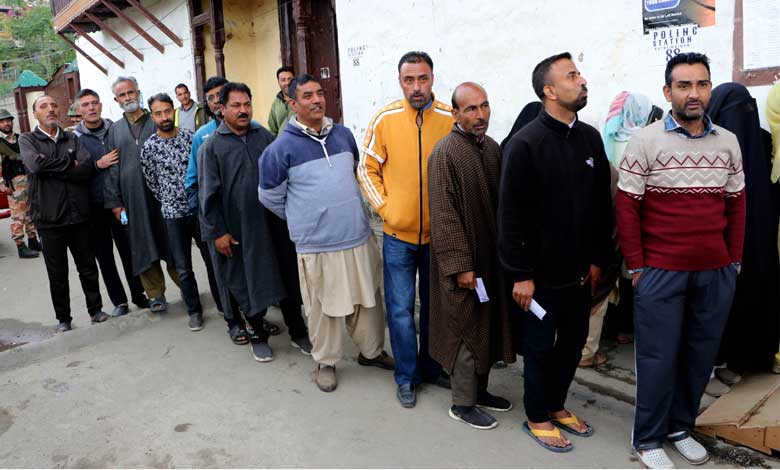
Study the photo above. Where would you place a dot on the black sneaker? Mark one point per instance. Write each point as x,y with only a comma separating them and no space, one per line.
99,317
26,253
491,402
261,350
120,310
196,322
63,327
303,344
473,416
34,244
407,395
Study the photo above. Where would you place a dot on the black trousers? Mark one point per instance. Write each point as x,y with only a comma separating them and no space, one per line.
106,231
56,243
553,348
181,233
679,318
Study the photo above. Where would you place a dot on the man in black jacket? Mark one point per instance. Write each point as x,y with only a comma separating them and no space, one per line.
105,229
59,173
554,233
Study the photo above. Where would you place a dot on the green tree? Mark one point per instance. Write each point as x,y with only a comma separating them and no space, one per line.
35,46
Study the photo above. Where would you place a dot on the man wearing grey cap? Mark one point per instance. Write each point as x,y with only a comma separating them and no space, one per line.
14,184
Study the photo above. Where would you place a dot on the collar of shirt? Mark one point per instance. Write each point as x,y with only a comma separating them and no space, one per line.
327,126
572,123
671,125
56,135
480,140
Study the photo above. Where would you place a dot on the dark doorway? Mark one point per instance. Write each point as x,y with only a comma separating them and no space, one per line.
310,44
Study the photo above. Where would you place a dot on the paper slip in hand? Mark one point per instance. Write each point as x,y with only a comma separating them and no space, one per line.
537,309
481,291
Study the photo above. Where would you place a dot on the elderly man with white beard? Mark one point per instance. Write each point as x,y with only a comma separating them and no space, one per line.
126,191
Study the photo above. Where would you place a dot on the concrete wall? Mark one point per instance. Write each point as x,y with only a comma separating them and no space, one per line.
497,44
252,50
158,72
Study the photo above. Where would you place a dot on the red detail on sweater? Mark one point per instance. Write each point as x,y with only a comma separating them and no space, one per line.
693,231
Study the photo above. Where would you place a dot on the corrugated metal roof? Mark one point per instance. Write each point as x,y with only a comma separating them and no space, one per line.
28,79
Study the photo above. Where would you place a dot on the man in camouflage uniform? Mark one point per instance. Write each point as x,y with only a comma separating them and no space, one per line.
14,184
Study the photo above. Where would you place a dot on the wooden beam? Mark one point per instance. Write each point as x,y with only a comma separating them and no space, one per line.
218,35
155,21
104,27
80,51
99,46
119,13
200,20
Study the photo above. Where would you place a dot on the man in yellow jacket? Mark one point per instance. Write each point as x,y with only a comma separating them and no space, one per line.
393,173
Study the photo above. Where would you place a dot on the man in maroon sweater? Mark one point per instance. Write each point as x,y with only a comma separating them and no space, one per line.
681,220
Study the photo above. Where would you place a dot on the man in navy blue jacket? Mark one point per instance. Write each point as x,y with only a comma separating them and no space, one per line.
307,176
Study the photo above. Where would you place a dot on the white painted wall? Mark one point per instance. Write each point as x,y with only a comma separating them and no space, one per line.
498,42
158,72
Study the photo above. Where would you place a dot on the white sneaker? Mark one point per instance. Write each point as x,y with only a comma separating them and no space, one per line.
690,450
654,458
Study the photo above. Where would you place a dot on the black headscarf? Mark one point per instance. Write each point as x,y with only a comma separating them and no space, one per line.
528,114
754,324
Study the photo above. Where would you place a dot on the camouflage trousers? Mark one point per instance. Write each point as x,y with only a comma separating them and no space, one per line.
20,210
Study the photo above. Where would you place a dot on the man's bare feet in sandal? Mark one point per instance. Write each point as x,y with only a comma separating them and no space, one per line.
553,441
583,426
597,360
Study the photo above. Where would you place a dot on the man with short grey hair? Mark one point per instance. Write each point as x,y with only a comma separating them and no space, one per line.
126,193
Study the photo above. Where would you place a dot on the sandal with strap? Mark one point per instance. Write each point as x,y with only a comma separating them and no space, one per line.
238,335
566,425
537,433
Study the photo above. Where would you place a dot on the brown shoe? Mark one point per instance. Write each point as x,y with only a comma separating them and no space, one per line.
325,377
599,359
383,361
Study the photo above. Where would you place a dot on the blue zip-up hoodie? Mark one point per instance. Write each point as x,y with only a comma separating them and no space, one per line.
310,181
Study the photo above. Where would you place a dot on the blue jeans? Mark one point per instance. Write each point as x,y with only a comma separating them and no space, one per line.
402,261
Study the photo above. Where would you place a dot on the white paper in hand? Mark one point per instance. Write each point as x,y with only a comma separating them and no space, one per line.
481,291
537,309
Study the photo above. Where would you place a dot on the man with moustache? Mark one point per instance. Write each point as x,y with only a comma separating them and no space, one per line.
14,184
105,229
308,179
229,306
256,259
126,191
681,218
393,173
59,171
555,237
164,160
468,333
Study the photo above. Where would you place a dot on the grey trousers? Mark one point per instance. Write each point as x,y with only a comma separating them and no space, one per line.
679,319
466,384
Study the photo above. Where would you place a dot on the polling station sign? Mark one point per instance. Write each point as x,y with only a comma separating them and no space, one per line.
670,13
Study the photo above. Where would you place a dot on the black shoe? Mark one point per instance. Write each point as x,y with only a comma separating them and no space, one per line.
196,322
26,253
120,310
270,328
473,416
407,395
99,317
143,302
34,244
491,402
63,327
442,380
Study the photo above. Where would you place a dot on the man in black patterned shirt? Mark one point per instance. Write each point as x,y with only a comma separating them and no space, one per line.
164,161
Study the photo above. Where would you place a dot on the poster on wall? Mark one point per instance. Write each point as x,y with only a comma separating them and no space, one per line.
761,34
672,13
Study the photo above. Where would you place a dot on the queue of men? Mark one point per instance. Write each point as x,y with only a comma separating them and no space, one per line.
506,248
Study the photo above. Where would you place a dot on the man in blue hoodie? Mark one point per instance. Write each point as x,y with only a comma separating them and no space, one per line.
105,229
307,176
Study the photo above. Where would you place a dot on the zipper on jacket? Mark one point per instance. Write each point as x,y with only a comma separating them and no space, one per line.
419,157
